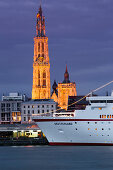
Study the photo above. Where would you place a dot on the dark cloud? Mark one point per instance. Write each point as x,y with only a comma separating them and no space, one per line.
80,34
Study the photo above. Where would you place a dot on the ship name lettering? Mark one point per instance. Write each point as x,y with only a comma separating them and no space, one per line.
62,123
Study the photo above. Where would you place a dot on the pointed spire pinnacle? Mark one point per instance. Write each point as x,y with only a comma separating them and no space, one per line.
66,76
40,10
66,69
40,27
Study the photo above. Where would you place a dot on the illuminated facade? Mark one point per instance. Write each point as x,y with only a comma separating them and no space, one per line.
65,89
41,65
10,108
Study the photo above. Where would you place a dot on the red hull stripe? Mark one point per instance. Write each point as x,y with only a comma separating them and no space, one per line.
79,144
56,120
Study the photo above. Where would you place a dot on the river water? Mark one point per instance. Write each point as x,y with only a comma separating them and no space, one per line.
56,158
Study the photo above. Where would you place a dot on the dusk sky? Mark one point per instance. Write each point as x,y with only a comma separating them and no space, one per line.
80,33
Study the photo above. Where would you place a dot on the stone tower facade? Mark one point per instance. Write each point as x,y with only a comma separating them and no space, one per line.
41,65
65,89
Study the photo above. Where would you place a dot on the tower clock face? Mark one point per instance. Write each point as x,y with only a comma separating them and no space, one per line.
41,59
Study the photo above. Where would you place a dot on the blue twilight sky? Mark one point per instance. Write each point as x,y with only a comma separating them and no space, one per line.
80,34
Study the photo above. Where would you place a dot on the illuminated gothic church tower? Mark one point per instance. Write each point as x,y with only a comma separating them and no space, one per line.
41,65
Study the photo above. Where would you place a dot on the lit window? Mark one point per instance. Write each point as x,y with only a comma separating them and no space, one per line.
42,47
38,74
95,128
44,82
44,74
108,116
112,116
88,128
32,106
100,108
38,47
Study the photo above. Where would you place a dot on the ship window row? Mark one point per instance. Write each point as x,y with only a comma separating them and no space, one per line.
106,116
101,101
95,129
102,129
102,135
87,122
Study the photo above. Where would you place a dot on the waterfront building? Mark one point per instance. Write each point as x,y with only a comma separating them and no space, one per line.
39,107
10,108
19,130
41,65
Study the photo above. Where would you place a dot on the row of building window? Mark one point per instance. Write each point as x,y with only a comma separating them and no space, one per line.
39,111
39,106
10,105
106,116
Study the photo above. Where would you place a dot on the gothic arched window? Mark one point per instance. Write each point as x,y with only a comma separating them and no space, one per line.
43,55
38,74
42,47
38,47
38,78
44,82
44,74
44,93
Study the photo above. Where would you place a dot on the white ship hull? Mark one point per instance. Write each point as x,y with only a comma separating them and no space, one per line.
77,132
92,126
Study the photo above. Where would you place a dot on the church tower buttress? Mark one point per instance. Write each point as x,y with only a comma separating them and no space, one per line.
41,65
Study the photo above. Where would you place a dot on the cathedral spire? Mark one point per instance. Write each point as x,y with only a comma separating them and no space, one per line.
66,76
40,26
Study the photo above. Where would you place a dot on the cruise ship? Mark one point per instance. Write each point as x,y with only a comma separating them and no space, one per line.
92,126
